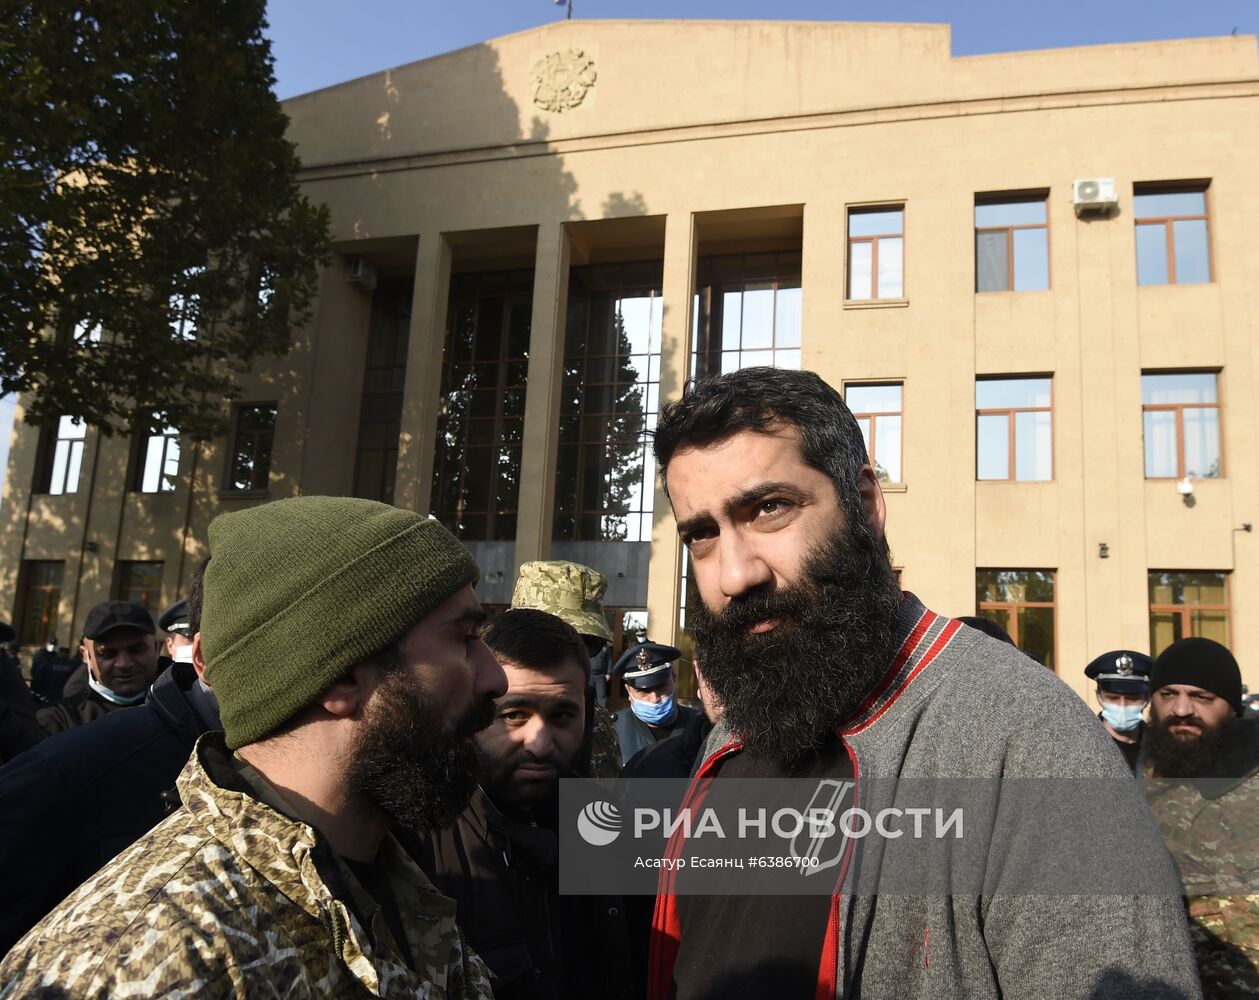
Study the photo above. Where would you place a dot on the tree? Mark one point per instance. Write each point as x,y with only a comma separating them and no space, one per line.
153,240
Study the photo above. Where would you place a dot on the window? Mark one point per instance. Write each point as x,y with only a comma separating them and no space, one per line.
1180,412
1011,244
480,430
606,481
1014,429
140,583
1184,604
878,410
158,466
62,457
747,312
384,377
249,466
41,598
184,306
1173,247
876,253
1021,601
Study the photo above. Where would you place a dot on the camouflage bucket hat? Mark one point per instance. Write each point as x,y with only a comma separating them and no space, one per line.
570,591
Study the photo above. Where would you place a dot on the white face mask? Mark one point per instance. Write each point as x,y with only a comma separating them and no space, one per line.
182,654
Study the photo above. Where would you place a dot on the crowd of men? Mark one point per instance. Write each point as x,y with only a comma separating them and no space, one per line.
344,780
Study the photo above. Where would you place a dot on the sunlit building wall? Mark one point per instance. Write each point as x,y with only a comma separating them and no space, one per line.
540,238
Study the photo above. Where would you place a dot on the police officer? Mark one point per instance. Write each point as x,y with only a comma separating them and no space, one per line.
1123,691
651,685
177,624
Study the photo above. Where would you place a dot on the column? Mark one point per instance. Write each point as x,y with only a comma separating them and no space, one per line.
539,456
421,395
664,573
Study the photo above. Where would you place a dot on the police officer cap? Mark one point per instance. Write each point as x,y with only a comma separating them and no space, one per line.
646,666
175,619
1124,671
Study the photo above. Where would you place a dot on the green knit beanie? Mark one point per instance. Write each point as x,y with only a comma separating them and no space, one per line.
298,591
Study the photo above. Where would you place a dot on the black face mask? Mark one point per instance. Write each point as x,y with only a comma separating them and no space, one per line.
784,691
410,762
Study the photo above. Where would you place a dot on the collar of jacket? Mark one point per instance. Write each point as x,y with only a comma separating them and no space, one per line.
296,859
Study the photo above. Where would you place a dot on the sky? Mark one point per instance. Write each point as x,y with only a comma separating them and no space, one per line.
318,43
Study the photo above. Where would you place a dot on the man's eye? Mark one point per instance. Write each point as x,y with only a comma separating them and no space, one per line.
514,715
772,506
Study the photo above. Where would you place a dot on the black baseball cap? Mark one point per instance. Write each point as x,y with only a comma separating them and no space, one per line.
116,614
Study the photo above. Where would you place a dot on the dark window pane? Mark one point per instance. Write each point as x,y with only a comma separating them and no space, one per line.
1036,634
992,265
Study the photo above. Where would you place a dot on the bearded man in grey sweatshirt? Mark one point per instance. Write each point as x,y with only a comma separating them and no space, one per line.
828,672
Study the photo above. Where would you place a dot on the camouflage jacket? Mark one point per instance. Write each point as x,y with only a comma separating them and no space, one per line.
228,898
1211,826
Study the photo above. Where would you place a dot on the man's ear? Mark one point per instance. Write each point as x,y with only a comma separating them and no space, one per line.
872,501
198,661
348,694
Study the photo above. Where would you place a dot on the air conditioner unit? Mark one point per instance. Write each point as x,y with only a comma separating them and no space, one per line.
359,272
1094,194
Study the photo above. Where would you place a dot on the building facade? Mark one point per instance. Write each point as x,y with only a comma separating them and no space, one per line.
540,238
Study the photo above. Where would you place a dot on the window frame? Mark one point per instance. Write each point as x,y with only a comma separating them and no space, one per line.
237,409
708,321
1013,198
1168,222
50,619
49,442
1010,428
1185,611
123,588
1012,607
873,418
1179,409
871,209
168,434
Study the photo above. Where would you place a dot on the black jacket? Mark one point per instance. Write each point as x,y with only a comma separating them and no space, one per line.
503,874
73,802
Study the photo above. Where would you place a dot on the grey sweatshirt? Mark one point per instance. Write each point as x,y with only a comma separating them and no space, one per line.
955,703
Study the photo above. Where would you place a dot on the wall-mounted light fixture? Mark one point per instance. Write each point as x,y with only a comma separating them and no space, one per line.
1103,550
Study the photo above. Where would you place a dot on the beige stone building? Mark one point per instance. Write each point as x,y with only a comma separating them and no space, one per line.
540,238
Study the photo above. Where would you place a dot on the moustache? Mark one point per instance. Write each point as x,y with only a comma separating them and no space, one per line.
748,609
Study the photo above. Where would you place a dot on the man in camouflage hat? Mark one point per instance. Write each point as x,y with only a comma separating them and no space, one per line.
574,594
1201,762
341,637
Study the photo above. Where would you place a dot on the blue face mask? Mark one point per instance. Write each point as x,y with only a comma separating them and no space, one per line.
1123,719
655,714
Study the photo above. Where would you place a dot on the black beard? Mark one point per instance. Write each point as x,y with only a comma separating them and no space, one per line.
410,763
496,782
785,691
1172,758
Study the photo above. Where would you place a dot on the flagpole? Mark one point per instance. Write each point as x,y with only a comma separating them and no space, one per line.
569,17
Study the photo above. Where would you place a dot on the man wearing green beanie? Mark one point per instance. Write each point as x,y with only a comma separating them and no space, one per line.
341,638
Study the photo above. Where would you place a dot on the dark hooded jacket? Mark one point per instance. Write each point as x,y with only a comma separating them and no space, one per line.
502,871
73,802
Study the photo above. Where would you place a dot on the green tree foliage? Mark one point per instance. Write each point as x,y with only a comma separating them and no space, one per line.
153,240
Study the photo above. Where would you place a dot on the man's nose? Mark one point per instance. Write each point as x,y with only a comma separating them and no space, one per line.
490,679
742,568
538,740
